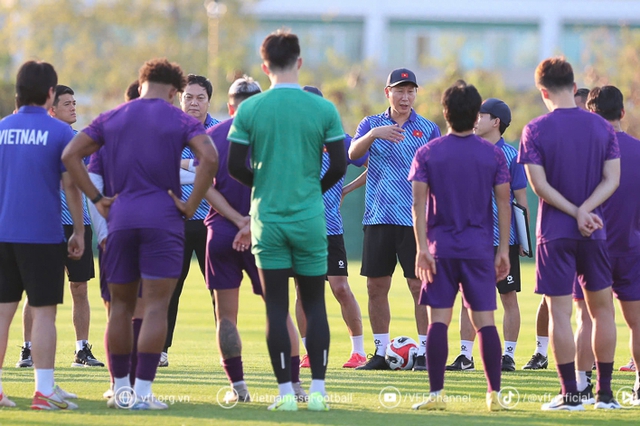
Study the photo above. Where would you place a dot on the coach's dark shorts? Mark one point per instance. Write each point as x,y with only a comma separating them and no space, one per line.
224,265
513,282
476,278
147,253
558,262
626,279
337,256
81,270
37,269
383,246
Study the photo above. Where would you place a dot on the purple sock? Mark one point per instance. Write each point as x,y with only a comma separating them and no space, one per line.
437,352
233,368
120,364
137,324
107,353
605,370
491,351
147,366
295,369
567,374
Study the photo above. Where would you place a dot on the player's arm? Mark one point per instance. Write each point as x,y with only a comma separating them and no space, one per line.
607,186
502,193
97,221
425,263
74,201
360,145
82,146
337,165
356,183
222,206
237,164
207,156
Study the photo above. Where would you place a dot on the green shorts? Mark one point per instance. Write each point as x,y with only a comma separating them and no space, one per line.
300,245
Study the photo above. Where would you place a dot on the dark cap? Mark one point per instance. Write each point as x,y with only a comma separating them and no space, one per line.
313,89
401,75
497,108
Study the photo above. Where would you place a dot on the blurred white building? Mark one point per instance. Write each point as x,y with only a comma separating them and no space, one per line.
510,36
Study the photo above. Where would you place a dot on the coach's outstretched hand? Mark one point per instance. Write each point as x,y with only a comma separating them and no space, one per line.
104,205
502,264
75,246
425,266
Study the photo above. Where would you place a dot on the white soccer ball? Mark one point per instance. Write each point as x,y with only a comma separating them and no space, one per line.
401,353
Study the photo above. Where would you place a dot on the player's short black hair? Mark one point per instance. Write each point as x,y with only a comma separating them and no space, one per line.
554,74
132,91
33,82
280,50
160,70
583,93
62,90
461,103
607,102
201,81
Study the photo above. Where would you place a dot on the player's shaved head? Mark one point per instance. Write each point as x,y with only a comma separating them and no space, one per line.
607,102
554,74
280,50
461,103
160,70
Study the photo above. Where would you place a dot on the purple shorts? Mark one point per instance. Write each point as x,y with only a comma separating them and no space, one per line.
476,278
146,253
104,287
559,261
225,265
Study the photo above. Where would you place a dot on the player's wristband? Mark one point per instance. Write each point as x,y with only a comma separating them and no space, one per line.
97,198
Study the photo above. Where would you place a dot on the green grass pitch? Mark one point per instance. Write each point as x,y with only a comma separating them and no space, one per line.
192,381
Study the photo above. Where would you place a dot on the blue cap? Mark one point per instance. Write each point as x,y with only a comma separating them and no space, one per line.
401,75
497,108
313,89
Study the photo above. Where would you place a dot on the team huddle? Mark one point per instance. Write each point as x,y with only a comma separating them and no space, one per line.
260,194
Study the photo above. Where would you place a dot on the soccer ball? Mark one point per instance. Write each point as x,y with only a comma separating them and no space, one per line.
401,353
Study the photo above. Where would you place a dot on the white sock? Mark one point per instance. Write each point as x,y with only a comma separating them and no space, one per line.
636,386
357,345
304,342
122,382
510,349
142,388
285,388
581,378
466,348
542,345
381,341
44,380
422,344
27,345
317,386
80,344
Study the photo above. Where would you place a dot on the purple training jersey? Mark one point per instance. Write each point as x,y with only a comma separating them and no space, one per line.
142,145
236,194
461,173
572,146
622,210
